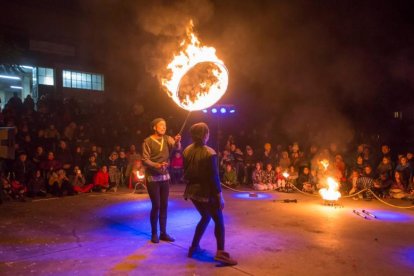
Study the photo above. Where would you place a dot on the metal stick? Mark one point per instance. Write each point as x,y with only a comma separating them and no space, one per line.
369,214
359,214
185,122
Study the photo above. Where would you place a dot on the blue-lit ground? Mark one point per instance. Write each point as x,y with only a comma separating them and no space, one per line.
98,234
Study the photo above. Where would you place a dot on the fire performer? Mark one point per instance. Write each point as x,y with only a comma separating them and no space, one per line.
156,152
204,190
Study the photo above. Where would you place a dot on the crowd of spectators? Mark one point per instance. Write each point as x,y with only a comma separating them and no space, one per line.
280,168
64,147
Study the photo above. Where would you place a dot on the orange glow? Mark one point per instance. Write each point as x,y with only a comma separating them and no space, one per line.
140,176
207,92
330,193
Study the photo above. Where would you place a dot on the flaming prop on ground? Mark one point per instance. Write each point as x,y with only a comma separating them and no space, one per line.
197,77
330,194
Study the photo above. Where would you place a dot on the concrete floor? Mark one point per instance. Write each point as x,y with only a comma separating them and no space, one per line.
108,234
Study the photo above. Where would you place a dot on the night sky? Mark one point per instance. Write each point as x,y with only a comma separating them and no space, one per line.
325,68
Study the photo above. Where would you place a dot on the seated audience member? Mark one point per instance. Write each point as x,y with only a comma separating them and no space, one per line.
13,189
305,181
364,182
38,157
137,176
64,155
269,178
177,168
359,164
397,189
293,176
284,161
352,182
257,178
405,171
382,185
59,184
230,176
385,167
101,180
50,164
23,169
36,185
78,181
280,179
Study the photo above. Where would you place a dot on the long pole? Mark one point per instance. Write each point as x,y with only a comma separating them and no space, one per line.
185,122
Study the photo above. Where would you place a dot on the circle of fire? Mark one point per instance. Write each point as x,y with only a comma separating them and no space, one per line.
193,54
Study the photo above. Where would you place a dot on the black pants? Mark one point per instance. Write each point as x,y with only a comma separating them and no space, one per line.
158,192
209,210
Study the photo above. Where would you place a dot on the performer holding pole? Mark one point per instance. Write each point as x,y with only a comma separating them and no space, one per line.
155,155
204,190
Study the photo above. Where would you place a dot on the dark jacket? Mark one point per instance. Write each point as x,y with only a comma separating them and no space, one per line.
201,173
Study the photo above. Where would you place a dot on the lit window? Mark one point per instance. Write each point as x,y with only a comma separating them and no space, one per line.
81,80
46,76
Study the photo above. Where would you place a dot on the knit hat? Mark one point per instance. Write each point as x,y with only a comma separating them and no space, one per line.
156,121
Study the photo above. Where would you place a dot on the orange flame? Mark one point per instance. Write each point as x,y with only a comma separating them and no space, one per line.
330,193
140,176
191,54
325,164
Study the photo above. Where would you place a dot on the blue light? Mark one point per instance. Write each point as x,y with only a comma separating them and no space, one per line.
248,197
392,216
232,111
204,110
223,110
214,110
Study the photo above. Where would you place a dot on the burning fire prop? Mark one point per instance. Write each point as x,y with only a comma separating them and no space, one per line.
330,194
198,78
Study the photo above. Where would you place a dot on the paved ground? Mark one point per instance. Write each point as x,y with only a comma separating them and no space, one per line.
108,234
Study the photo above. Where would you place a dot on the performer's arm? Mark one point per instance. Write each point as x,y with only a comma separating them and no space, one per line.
175,142
215,178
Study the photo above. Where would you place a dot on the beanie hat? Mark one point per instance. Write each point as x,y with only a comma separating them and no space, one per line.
156,121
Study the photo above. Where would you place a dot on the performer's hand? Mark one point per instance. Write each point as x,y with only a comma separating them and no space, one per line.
177,138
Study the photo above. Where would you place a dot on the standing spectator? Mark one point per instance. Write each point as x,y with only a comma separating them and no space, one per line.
91,168
122,163
177,168
249,165
113,170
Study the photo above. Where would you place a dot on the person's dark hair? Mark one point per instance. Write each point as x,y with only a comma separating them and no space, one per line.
198,132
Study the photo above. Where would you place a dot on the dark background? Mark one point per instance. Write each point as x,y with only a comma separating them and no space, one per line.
317,71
